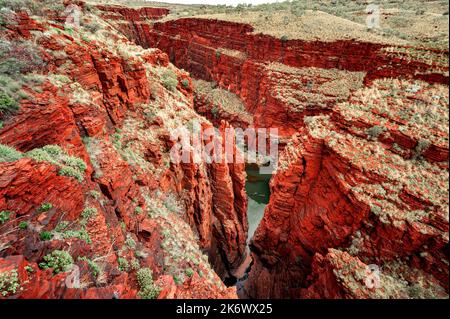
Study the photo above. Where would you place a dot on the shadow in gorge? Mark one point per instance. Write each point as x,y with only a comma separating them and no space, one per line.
258,195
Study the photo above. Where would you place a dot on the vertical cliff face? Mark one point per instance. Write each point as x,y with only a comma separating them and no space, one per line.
85,172
346,197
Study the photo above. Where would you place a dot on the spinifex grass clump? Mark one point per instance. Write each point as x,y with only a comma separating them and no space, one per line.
148,289
54,154
69,165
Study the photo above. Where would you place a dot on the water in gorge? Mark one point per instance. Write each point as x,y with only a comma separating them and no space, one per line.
258,195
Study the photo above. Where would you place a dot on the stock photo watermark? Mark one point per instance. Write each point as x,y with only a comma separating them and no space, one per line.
72,15
373,16
373,279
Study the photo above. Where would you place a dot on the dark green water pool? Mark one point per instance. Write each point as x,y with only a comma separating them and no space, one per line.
258,193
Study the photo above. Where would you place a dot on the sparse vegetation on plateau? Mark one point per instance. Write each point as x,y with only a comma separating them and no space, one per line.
8,105
35,7
19,60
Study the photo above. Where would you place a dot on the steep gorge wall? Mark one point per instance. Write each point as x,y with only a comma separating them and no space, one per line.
342,200
92,116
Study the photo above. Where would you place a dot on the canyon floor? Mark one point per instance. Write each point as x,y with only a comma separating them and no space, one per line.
92,204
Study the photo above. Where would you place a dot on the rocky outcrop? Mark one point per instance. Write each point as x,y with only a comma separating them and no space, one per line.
130,14
217,104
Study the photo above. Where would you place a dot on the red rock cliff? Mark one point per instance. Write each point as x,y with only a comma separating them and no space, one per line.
345,197
87,171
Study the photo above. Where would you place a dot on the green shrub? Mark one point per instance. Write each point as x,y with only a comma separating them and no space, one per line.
80,234
69,165
169,80
172,204
214,111
374,132
62,225
9,282
7,104
177,280
138,210
130,242
45,207
135,264
123,264
218,54
4,216
148,290
185,83
58,260
95,269
88,213
45,235
69,31
422,146
71,172
23,225
284,38
189,272
9,154
94,194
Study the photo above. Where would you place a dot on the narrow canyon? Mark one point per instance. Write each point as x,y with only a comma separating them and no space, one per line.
361,181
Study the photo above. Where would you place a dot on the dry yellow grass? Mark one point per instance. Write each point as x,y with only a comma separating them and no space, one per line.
227,101
413,22
324,85
312,25
233,53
